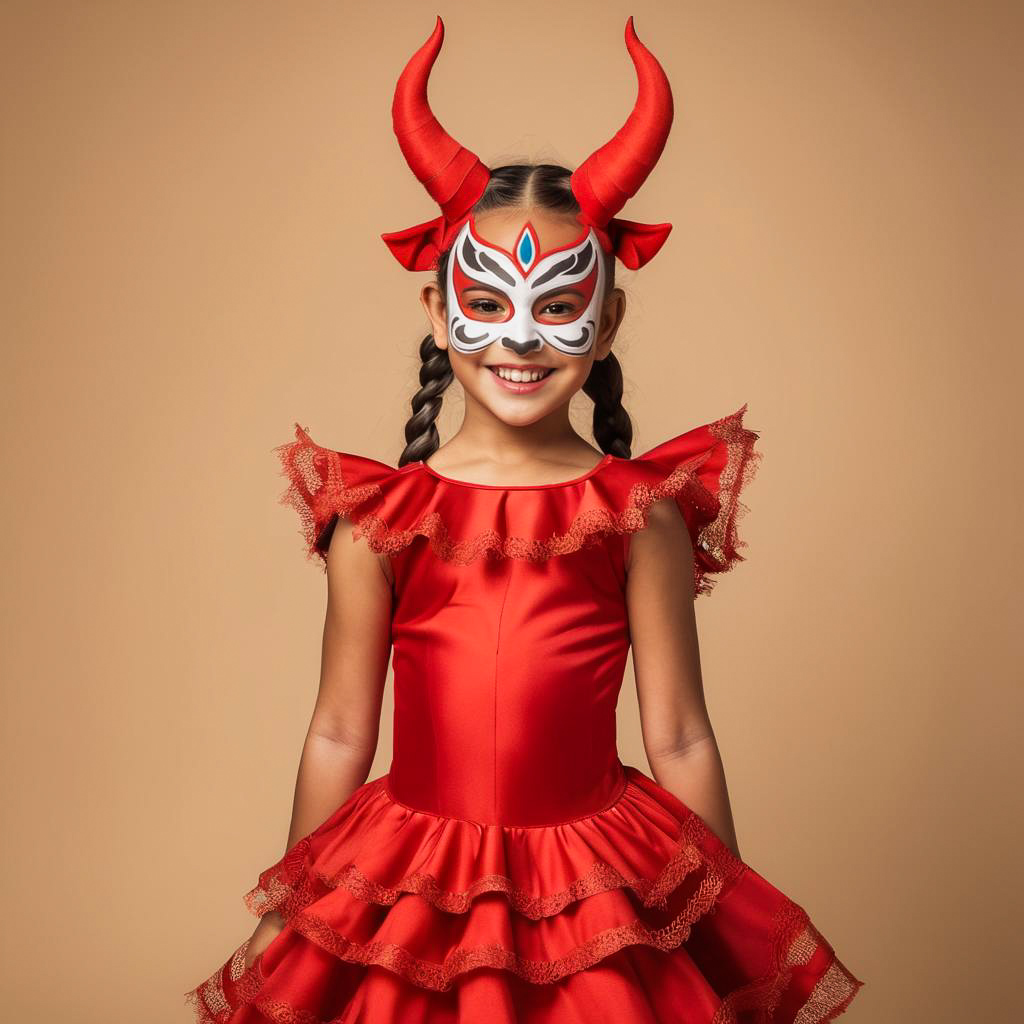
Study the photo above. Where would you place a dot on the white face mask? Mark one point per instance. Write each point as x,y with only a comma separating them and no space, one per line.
524,277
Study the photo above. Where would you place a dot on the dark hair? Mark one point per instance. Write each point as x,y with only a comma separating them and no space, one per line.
546,186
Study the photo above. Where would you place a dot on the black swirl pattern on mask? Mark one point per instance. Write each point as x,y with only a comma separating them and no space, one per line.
459,331
575,264
478,260
581,341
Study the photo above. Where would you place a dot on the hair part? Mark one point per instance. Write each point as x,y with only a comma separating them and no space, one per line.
519,185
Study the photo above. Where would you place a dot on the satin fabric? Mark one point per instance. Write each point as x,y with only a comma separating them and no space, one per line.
490,664
509,867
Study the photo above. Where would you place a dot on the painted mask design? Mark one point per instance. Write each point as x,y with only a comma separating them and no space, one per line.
525,277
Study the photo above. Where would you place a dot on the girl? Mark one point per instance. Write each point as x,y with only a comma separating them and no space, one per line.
509,867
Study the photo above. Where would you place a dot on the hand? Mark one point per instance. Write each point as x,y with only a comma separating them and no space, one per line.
266,931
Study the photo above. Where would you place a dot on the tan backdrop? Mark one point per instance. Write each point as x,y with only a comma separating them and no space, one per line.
192,200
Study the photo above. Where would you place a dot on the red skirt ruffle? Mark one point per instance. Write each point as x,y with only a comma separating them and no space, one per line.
636,913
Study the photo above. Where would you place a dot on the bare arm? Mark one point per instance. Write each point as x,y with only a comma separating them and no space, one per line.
678,738
342,737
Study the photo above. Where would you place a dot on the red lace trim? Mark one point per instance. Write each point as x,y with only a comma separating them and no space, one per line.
439,977
721,869
718,542
317,500
831,996
601,878
795,940
289,887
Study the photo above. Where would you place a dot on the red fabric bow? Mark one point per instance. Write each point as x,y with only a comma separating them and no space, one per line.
419,247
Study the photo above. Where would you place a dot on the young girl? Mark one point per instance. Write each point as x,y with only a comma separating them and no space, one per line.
509,867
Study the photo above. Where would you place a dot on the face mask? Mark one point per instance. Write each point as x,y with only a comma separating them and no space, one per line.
525,277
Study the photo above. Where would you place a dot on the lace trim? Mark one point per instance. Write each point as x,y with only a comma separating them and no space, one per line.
316,488
718,541
586,529
317,492
721,870
439,977
278,883
288,887
234,985
795,941
601,878
831,996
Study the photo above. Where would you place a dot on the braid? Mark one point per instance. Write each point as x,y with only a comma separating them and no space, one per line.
421,434
613,429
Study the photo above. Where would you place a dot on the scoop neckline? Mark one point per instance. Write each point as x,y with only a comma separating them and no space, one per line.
517,487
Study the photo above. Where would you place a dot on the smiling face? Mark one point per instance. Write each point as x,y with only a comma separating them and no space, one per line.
524,312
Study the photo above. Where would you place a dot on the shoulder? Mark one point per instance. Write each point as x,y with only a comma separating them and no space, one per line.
666,539
348,563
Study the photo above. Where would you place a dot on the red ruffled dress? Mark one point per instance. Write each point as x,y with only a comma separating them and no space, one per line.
509,867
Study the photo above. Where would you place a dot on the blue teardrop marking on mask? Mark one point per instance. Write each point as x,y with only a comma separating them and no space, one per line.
526,251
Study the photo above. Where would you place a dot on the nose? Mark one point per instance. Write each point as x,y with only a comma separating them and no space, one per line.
521,348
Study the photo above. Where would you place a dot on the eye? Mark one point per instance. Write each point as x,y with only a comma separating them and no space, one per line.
558,308
486,306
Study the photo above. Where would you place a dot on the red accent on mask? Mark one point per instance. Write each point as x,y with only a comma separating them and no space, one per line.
462,282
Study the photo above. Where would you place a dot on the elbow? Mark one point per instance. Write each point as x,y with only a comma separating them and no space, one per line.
671,748
357,744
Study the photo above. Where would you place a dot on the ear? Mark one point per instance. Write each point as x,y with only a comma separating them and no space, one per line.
432,300
612,312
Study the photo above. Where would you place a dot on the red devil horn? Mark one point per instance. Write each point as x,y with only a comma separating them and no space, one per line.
454,177
613,173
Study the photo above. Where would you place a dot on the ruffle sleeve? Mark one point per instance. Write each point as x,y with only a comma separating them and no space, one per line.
324,485
704,470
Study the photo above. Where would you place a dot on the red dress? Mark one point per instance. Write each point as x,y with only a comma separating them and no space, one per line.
509,867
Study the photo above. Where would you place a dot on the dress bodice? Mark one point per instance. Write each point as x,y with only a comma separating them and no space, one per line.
510,630
506,675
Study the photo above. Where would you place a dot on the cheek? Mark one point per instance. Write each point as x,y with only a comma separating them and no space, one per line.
466,364
572,372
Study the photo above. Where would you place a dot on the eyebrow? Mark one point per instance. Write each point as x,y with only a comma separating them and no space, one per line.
484,288
568,290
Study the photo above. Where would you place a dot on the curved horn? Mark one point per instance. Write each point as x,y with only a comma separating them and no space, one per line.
454,177
613,173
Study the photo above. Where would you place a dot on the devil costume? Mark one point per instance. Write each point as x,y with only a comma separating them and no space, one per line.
509,867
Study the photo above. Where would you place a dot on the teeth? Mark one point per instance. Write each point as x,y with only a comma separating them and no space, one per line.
519,376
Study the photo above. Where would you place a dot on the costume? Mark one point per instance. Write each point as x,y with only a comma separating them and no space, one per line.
509,867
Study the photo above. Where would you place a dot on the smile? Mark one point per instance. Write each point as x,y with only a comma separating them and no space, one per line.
520,379
521,373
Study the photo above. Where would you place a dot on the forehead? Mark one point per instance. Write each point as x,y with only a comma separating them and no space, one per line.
502,228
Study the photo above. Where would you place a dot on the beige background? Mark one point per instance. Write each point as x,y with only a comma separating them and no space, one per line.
192,200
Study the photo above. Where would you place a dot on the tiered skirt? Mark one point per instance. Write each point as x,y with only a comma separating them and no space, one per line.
637,913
